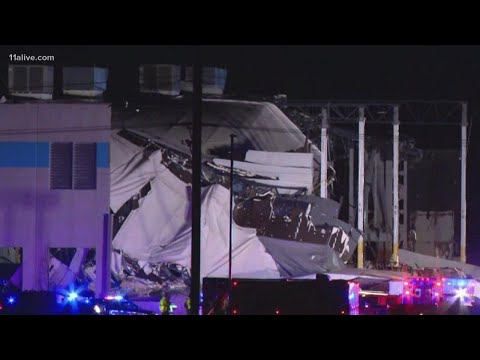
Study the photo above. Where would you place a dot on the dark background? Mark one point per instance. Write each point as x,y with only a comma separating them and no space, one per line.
314,72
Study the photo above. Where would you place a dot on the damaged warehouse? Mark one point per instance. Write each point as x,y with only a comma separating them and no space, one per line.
275,203
276,187
306,201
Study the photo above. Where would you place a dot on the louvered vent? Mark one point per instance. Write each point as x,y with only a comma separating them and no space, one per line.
84,166
61,165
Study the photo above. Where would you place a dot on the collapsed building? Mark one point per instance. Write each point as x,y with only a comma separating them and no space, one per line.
281,228
296,202
276,190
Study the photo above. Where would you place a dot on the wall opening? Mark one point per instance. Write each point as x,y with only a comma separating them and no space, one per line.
72,269
10,277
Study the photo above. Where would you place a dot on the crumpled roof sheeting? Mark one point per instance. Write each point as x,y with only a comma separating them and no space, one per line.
296,259
321,207
130,170
366,275
416,260
62,275
249,257
159,218
287,218
261,125
160,229
121,151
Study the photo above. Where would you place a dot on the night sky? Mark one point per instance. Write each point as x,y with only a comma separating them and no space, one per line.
311,72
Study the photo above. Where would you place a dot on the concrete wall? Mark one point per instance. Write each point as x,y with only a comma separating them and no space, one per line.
31,214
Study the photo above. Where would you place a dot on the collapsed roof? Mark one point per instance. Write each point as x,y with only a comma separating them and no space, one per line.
257,126
285,233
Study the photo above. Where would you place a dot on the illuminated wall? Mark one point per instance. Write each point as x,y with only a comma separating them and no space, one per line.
54,181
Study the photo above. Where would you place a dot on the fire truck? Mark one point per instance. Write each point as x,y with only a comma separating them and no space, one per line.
422,296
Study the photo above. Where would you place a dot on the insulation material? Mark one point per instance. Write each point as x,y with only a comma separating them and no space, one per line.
287,176
288,173
283,159
284,187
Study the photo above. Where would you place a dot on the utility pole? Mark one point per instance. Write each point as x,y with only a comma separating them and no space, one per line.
396,132
232,140
324,155
361,182
196,184
463,224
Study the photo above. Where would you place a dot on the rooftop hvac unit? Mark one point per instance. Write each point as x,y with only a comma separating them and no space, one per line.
213,80
160,79
85,81
34,81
